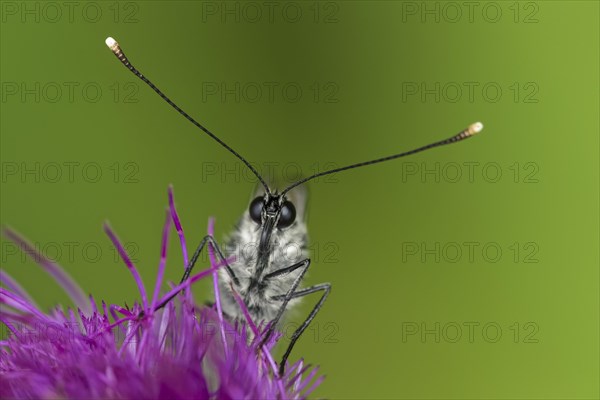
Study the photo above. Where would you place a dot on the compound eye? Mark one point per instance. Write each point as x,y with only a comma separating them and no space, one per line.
256,209
288,215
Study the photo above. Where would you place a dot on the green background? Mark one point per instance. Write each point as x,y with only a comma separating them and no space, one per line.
354,61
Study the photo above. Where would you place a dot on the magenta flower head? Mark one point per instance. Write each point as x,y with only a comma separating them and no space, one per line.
179,351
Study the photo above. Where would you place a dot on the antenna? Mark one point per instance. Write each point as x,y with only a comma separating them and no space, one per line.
473,129
116,49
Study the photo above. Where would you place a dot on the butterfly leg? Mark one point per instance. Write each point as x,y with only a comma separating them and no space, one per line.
291,294
304,264
188,270
325,288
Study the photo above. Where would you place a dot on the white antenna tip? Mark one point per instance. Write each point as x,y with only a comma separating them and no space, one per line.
475,128
111,43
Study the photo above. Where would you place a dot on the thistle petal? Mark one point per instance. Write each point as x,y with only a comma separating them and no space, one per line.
125,257
59,274
163,260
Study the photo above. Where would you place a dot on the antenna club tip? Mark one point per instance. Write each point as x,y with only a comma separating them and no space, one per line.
111,43
475,128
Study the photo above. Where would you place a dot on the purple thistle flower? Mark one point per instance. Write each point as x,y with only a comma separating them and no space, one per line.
181,351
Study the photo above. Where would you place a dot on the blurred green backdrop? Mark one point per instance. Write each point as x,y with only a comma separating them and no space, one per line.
464,272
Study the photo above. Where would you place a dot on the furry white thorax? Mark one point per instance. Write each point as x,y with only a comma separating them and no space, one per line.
288,247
